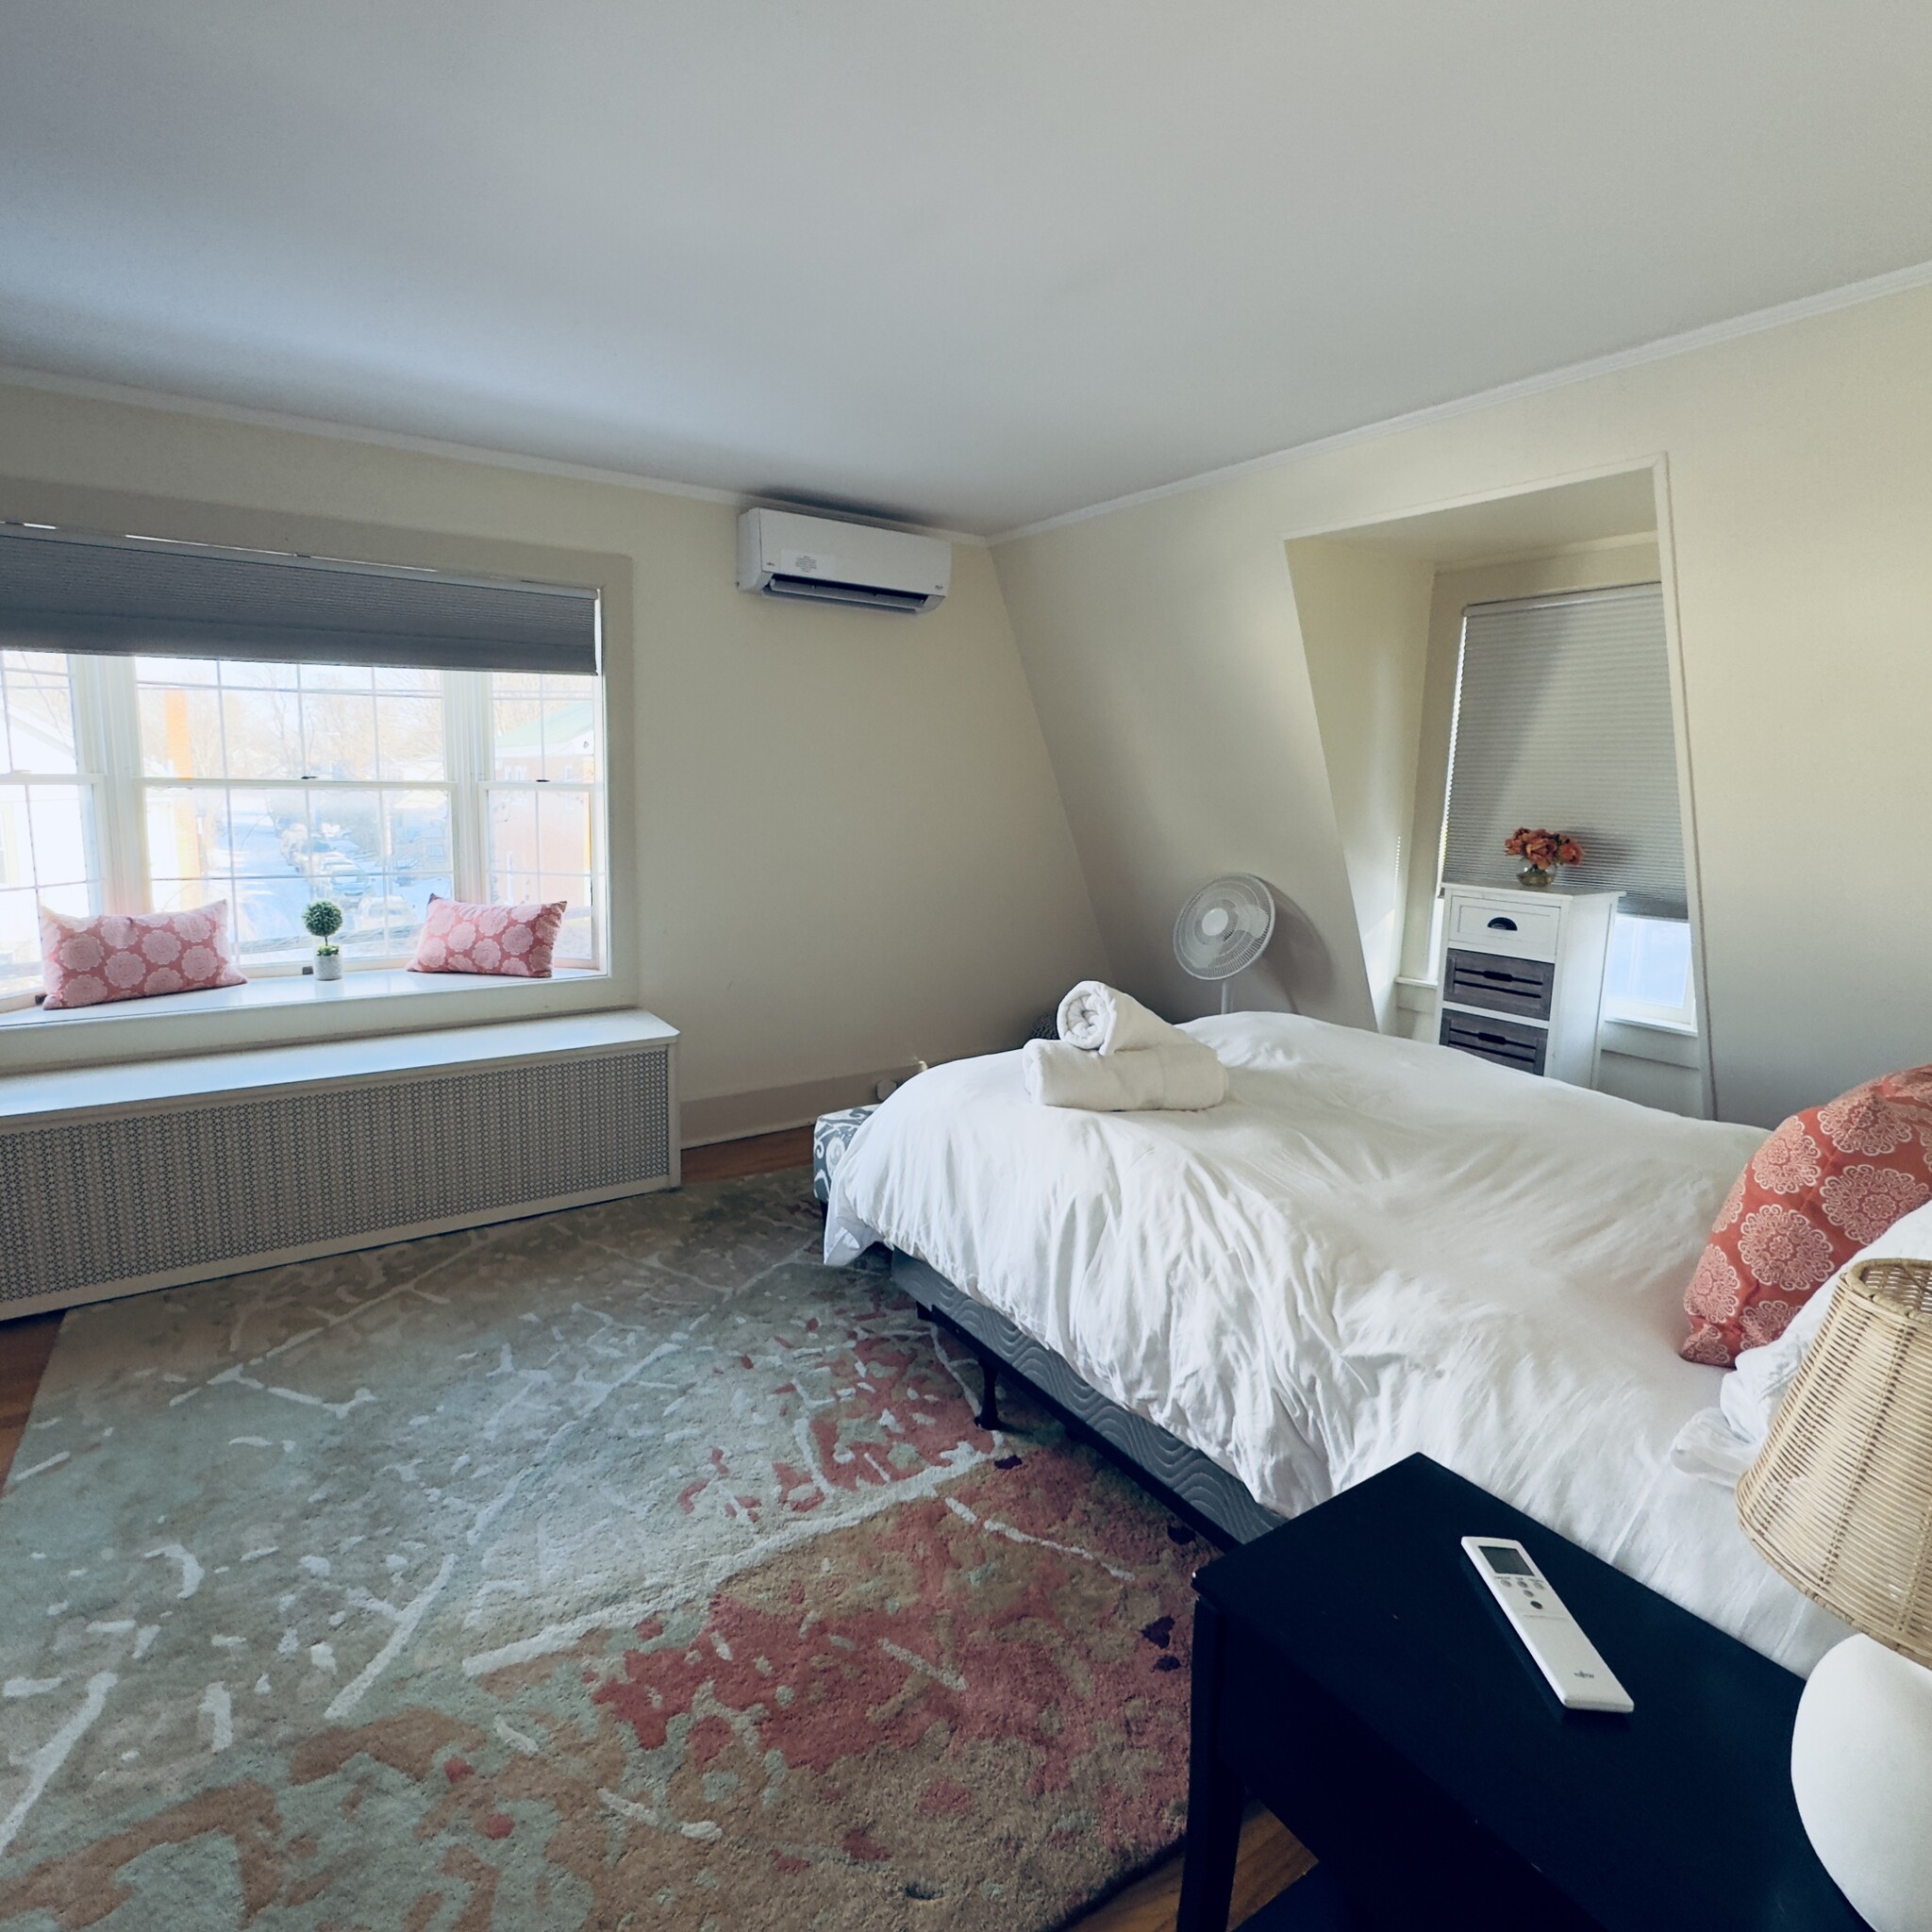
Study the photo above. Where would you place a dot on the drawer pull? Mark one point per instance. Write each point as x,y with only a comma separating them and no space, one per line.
1501,924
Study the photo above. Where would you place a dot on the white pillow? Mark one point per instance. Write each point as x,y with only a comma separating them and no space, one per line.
1751,1393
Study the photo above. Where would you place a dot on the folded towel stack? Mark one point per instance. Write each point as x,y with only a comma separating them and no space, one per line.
1115,1057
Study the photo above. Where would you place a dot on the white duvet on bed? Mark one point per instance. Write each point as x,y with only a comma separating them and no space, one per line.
1373,1247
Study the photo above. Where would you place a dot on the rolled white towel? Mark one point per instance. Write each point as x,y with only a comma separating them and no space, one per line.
1099,1020
1188,1076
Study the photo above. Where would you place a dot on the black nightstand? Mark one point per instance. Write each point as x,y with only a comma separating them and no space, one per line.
1352,1673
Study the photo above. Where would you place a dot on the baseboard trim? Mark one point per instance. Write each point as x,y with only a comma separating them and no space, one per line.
770,1110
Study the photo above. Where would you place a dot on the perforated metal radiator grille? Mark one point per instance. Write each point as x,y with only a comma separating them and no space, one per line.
93,1203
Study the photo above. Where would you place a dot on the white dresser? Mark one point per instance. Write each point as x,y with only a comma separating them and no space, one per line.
1522,976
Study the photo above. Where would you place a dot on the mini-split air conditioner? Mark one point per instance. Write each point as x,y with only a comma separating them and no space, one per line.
781,554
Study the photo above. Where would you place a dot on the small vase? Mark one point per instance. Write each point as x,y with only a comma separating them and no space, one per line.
328,965
1535,877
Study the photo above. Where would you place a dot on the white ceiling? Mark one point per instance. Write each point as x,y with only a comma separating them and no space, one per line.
970,264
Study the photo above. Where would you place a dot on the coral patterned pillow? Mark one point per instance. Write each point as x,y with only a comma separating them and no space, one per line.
1829,1181
515,941
134,955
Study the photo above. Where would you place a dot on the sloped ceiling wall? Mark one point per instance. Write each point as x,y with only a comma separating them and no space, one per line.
1163,649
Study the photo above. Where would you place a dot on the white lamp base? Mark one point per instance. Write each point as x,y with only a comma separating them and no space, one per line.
1861,1766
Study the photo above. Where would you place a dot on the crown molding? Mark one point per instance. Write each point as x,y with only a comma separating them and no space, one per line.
91,389
1851,295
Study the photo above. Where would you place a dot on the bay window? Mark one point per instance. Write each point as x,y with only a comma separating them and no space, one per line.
443,755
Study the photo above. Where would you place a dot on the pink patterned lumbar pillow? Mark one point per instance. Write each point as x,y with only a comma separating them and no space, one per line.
513,941
134,955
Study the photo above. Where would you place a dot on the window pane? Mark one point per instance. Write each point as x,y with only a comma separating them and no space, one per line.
61,843
47,856
535,833
36,713
1649,963
575,937
261,736
413,862
180,731
20,943
408,737
544,728
338,735
45,836
540,850
512,841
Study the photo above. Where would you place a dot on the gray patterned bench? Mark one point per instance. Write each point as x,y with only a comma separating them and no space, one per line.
830,1138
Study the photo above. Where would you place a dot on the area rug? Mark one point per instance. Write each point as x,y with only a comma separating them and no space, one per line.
623,1568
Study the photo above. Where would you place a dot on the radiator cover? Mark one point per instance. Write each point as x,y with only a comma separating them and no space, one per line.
188,1188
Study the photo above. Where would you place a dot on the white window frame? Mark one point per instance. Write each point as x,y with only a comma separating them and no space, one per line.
107,715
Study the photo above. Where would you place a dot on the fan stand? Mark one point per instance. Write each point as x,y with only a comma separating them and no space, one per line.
1228,995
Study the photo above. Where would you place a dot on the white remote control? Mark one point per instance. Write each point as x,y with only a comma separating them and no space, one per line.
1553,1638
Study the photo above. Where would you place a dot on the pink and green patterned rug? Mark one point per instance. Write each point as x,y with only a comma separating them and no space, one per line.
620,1569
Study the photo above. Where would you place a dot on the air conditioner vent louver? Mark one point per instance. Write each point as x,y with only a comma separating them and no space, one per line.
821,590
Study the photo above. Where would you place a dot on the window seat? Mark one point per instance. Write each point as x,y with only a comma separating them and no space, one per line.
285,989
148,1173
74,1090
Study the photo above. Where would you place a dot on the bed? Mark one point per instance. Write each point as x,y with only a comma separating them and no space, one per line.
1375,1246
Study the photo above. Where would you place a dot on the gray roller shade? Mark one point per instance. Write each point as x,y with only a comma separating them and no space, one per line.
130,596
1563,720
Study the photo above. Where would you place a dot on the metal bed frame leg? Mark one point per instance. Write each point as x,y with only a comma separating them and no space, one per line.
989,1416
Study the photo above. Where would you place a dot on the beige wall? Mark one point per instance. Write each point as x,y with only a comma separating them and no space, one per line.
1365,626
1164,656
838,843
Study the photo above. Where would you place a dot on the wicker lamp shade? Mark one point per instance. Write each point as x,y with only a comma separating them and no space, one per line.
1839,1499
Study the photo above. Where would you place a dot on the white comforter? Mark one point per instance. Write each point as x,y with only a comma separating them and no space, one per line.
1373,1247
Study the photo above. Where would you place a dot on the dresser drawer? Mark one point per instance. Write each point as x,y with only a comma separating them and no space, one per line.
1498,983
1512,923
1509,1042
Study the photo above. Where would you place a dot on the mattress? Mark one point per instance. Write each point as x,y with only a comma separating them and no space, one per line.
1374,1247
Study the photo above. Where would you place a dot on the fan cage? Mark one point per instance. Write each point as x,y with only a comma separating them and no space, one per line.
1249,906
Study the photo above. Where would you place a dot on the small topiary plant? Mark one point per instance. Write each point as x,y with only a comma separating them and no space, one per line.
324,918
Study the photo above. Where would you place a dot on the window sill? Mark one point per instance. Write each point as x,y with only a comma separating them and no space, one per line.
1649,1024
288,990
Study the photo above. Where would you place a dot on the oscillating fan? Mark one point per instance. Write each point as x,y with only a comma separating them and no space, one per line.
1223,928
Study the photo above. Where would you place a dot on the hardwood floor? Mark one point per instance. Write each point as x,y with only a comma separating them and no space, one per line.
731,1160
25,1346
1271,1860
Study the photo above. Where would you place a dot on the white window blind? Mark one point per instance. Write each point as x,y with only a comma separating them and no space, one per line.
1563,720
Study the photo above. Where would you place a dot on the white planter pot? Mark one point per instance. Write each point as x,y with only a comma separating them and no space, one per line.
1861,1766
328,965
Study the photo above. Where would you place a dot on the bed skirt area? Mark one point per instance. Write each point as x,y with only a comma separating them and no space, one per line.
1209,1490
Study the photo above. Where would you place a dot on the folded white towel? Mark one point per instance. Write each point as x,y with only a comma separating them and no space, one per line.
1188,1075
1099,1020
